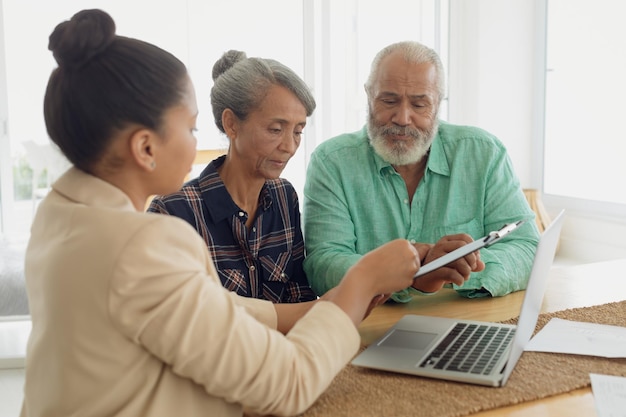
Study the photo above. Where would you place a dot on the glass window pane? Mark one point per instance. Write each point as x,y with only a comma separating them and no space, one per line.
585,85
196,31
357,31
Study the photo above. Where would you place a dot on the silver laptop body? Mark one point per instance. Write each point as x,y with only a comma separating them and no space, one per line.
469,351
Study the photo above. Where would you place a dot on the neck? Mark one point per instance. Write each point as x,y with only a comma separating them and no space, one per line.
243,189
127,180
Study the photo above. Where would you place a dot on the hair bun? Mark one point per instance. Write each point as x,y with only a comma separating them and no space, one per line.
89,32
226,62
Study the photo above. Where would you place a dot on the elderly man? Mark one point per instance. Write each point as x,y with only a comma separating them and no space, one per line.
408,175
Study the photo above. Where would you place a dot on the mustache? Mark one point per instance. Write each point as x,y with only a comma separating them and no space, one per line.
401,130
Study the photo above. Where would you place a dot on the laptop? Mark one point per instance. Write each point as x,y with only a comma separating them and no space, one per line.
470,351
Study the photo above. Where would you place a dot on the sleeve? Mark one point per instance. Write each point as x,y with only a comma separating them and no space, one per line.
329,230
165,297
509,262
298,288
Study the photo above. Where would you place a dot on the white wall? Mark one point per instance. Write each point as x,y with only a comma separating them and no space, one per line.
491,71
589,238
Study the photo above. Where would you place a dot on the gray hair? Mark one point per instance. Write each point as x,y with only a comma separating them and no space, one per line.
413,52
241,84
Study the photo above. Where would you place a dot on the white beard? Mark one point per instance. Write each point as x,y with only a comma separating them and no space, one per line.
399,153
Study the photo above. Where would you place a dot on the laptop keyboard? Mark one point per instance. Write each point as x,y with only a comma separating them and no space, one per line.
470,348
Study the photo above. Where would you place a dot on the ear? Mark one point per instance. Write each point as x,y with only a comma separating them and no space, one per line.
142,149
230,122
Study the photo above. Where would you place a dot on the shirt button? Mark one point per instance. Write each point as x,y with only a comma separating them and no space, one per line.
412,241
252,267
282,275
241,214
254,229
406,201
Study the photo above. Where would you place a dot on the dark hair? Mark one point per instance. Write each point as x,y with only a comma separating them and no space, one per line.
241,83
103,83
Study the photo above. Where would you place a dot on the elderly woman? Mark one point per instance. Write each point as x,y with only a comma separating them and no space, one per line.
248,216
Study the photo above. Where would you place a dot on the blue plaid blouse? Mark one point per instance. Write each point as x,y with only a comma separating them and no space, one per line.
264,261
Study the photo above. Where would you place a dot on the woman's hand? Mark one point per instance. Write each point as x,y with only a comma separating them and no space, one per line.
382,271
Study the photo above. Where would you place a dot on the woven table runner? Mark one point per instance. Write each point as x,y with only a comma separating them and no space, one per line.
359,392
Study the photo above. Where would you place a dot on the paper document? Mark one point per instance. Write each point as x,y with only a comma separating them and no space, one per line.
580,338
609,395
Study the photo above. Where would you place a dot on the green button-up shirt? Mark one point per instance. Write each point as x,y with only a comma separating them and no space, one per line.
354,202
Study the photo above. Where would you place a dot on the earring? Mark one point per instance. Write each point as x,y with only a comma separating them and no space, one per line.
152,164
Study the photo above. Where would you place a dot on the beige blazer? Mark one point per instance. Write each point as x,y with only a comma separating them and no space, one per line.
130,319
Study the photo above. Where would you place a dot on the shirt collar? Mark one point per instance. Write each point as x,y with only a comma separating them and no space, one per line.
437,160
217,200
90,190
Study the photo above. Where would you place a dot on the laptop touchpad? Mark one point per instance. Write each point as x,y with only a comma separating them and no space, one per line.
405,339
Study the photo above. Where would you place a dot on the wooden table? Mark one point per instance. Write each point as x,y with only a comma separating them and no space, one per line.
568,287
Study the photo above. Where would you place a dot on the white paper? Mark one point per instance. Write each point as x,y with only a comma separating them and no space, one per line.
580,338
609,395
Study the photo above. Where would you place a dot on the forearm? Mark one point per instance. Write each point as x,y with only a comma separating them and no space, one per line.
353,296
507,269
288,314
380,272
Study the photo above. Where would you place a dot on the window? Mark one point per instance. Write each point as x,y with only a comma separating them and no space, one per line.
196,31
585,84
329,43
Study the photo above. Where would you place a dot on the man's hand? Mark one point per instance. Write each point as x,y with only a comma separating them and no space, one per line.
456,272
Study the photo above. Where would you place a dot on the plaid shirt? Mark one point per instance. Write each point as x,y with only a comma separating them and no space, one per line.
264,261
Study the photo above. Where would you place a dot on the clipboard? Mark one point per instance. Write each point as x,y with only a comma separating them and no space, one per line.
488,240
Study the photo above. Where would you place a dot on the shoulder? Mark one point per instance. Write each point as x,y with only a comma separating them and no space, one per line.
466,146
163,233
154,224
146,234
282,189
342,154
453,136
280,185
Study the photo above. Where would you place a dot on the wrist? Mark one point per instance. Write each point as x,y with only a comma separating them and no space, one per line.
361,282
